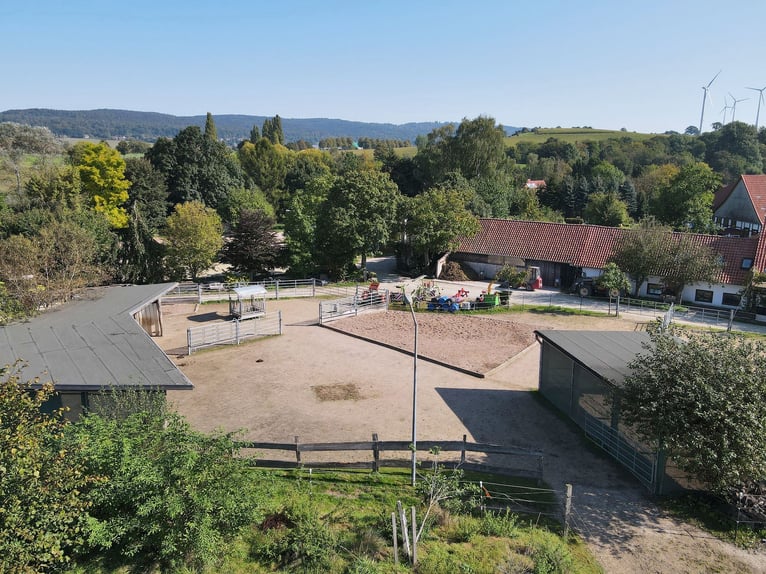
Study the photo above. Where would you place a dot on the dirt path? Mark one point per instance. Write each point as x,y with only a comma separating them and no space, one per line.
271,388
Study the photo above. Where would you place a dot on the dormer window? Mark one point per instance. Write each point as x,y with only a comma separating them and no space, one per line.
747,263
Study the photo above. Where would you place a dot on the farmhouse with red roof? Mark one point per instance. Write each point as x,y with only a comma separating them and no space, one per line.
565,252
740,208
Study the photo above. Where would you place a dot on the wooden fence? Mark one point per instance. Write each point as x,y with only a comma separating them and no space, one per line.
525,462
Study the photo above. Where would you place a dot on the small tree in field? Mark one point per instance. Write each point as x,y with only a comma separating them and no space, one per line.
698,396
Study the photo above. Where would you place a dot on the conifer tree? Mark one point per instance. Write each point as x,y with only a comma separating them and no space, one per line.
210,131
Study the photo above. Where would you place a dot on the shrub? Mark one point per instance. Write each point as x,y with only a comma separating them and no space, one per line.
42,512
172,497
499,524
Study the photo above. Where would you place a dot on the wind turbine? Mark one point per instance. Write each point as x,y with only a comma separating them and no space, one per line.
724,108
760,99
705,97
734,105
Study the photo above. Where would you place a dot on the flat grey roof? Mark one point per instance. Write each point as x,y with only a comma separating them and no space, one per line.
605,353
93,342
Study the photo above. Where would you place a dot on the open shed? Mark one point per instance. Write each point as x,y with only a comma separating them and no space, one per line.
101,340
581,373
247,302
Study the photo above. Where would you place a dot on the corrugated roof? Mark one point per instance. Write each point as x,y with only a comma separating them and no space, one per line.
93,342
590,245
605,353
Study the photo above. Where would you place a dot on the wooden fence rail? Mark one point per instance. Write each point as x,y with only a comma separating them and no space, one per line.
376,447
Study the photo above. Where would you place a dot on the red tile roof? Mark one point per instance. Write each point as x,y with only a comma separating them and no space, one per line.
593,245
756,188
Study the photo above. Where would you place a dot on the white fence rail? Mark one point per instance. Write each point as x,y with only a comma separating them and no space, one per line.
275,289
233,332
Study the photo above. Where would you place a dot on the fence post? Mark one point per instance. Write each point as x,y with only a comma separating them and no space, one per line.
188,341
462,452
567,510
320,312
236,330
297,450
405,532
540,470
414,537
277,288
313,287
280,321
396,541
375,453
199,293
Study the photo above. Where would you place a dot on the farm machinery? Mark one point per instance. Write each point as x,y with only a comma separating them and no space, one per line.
449,304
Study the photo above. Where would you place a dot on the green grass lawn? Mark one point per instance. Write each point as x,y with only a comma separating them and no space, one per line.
574,135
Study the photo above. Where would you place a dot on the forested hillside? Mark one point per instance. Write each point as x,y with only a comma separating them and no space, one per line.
148,126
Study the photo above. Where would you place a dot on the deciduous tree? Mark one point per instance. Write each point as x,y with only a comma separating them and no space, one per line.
435,221
641,251
357,218
693,395
253,246
102,173
686,201
606,209
193,236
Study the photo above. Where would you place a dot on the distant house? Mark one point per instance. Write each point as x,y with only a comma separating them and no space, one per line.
581,374
535,183
740,208
102,340
565,252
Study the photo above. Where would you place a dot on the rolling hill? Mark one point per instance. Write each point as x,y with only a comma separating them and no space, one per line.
117,124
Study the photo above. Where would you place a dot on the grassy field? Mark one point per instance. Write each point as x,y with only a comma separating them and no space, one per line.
574,135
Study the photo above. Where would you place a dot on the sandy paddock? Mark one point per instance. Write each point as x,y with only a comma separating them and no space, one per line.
319,384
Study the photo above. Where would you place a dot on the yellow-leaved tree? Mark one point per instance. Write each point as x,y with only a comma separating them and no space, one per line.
102,174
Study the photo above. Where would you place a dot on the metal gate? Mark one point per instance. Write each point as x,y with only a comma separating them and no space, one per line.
642,465
366,300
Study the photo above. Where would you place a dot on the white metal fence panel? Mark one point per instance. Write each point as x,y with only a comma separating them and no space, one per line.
233,332
364,300
275,289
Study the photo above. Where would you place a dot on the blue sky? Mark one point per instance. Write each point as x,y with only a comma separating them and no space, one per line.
607,64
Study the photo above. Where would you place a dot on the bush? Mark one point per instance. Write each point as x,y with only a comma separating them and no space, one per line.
296,536
511,275
42,513
172,497
499,524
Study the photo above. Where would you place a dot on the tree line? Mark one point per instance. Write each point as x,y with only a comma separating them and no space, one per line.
84,214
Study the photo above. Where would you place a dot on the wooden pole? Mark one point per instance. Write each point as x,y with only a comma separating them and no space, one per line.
396,538
567,511
414,537
405,532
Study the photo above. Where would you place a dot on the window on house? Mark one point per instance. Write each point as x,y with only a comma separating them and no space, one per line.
731,299
654,288
747,263
703,296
